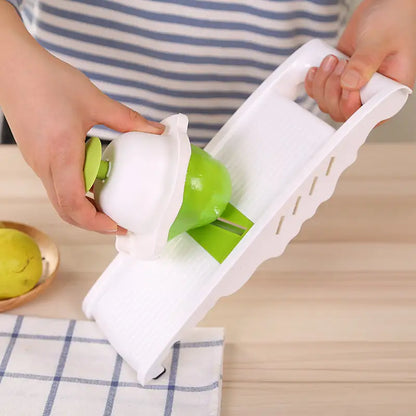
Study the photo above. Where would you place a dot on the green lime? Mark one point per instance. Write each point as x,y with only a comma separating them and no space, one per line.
206,194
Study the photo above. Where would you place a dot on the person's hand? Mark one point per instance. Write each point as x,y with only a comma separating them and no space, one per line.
381,36
50,107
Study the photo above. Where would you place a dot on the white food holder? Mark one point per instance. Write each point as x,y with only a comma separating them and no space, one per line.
143,190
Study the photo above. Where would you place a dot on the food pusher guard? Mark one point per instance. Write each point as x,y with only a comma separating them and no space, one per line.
283,163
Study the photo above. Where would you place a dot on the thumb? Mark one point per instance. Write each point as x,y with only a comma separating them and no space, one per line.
119,117
364,62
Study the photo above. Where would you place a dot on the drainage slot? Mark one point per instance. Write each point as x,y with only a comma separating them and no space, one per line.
296,205
331,162
279,227
315,179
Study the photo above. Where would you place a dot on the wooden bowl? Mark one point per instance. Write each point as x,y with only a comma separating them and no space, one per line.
50,263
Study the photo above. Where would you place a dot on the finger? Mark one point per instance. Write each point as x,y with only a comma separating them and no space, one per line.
68,183
364,62
82,213
350,102
120,230
310,76
50,189
332,93
325,69
121,118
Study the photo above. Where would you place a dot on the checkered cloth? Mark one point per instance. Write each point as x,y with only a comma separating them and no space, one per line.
64,367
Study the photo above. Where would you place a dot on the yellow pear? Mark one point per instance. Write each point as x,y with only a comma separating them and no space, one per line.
20,263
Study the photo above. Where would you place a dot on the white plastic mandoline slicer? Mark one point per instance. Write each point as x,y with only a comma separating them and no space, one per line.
283,163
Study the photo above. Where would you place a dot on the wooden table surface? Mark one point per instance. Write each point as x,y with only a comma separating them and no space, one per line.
329,328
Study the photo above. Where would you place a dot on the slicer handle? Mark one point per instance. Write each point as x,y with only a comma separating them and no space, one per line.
294,71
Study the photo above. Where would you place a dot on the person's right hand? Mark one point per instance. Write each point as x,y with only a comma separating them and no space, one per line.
380,36
50,106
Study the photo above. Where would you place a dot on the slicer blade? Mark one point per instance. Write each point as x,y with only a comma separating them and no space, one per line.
220,237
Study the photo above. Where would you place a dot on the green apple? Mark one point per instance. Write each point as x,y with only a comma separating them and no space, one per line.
20,263
206,194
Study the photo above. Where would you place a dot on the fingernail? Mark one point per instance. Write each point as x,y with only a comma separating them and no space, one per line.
159,126
339,69
109,231
345,94
311,74
329,63
121,230
351,79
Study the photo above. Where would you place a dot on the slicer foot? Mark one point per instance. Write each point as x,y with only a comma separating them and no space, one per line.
161,374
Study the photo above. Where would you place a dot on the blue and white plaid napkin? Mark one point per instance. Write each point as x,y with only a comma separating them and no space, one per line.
66,367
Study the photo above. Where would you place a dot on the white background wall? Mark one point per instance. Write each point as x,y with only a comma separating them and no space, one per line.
402,127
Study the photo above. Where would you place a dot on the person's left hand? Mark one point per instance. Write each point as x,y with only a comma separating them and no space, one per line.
381,36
